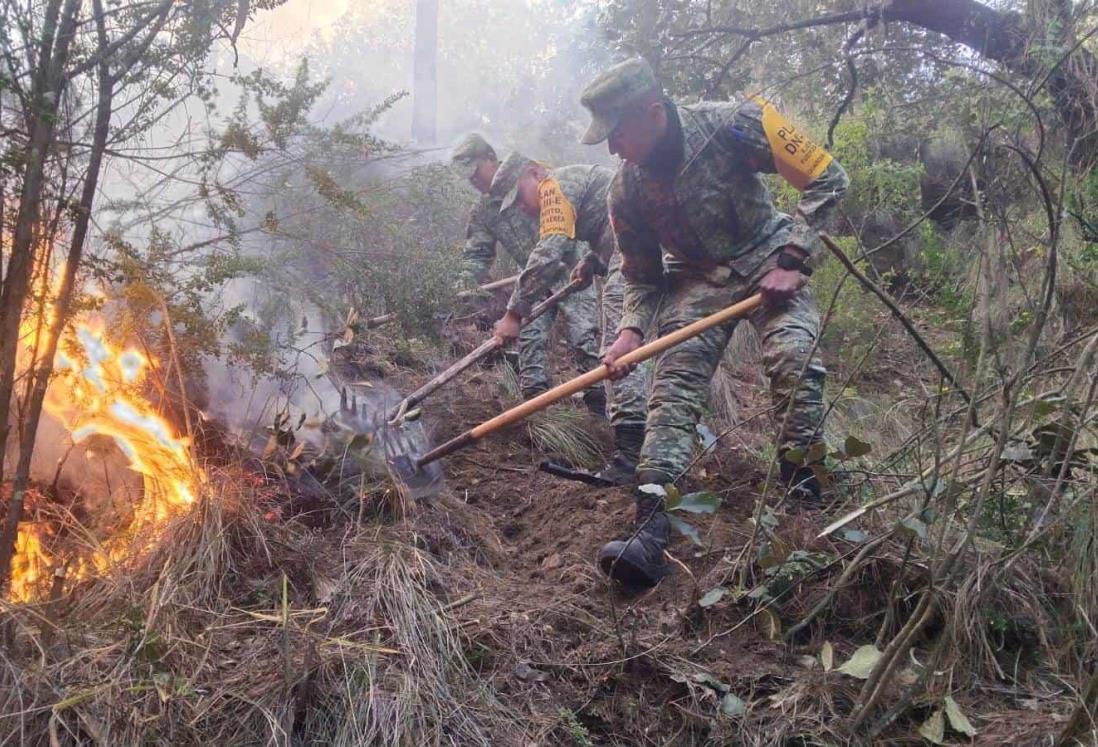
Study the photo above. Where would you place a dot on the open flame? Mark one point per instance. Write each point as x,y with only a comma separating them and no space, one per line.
98,390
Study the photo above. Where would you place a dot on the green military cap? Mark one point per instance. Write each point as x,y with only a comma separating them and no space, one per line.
608,95
507,176
468,154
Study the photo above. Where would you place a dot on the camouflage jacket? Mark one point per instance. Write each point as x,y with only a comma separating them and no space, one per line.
702,200
516,232
572,215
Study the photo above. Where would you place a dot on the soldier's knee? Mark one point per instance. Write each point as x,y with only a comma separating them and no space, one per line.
786,356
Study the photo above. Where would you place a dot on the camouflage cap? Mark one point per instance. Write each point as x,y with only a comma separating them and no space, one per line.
468,154
507,176
609,94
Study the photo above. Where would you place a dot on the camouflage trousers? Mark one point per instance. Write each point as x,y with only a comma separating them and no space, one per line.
628,400
580,315
680,381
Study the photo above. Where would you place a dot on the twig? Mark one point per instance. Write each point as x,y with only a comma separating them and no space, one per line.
886,299
829,598
853,70
1083,717
461,602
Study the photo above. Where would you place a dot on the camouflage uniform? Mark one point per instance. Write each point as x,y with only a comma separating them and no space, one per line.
583,188
701,198
628,403
517,233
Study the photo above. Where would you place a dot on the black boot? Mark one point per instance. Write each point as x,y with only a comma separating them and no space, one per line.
622,467
800,483
595,399
637,562
529,392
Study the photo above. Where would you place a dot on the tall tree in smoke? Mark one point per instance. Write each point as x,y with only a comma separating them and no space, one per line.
425,73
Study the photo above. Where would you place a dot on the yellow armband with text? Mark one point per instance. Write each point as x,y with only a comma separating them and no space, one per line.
558,217
797,158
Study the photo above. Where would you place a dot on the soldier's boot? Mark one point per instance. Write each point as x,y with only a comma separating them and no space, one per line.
800,483
595,399
529,392
637,562
622,467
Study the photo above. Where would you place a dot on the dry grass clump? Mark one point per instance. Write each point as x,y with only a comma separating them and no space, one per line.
235,629
563,431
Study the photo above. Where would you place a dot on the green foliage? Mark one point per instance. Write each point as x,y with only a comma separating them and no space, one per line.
879,182
1084,209
944,270
855,318
702,502
576,730
149,285
418,275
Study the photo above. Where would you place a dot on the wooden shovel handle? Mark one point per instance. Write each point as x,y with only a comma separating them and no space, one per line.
501,283
578,384
478,353
643,353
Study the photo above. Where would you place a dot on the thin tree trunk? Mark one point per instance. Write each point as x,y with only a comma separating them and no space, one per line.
22,262
3,203
49,85
425,74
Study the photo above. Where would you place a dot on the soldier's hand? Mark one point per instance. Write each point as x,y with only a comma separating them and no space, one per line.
585,271
628,341
507,328
778,285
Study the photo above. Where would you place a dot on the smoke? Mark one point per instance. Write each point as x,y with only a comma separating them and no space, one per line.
309,390
510,69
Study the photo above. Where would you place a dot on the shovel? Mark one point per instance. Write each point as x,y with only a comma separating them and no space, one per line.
410,469
480,352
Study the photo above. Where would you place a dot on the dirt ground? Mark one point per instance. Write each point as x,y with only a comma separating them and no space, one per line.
592,666
488,595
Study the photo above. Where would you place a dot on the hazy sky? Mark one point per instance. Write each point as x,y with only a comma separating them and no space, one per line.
284,31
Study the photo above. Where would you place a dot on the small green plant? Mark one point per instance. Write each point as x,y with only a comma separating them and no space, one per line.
576,730
676,503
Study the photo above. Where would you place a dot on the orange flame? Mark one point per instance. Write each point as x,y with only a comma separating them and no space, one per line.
29,564
97,390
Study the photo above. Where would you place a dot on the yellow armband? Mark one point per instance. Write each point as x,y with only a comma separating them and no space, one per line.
558,217
798,159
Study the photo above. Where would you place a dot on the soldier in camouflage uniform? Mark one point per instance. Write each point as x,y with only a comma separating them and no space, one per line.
690,185
474,159
570,205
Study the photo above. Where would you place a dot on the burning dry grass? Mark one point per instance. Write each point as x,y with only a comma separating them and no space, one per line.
234,629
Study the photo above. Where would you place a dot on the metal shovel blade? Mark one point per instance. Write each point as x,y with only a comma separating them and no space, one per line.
403,445
420,482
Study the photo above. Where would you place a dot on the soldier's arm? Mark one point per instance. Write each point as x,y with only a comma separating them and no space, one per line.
545,269
479,251
769,143
818,201
555,253
642,262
